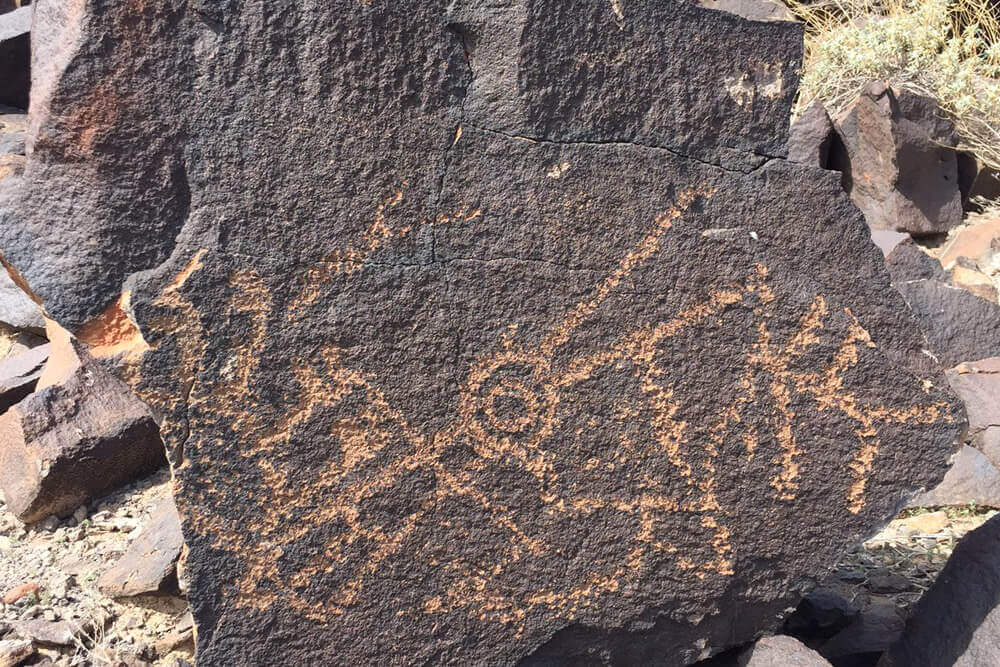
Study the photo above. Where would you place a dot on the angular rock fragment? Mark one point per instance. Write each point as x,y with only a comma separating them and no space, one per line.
811,137
959,325
781,651
15,57
907,261
13,652
957,622
972,479
978,243
501,330
17,310
19,374
81,434
150,562
53,633
899,163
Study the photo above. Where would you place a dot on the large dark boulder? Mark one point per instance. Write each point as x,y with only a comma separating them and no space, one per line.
957,622
486,333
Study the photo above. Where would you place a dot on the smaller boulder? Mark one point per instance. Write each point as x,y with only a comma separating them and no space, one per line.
150,563
978,385
811,137
958,325
781,651
15,57
822,613
19,374
957,622
972,479
899,163
976,243
81,434
52,633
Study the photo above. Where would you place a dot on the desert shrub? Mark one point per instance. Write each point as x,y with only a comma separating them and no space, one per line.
947,49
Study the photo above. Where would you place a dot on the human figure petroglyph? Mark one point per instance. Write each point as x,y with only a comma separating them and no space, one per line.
508,413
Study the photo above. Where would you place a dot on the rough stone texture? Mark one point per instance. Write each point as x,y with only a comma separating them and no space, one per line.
957,622
17,310
491,335
908,262
959,325
151,560
781,651
898,162
972,478
15,57
811,137
81,434
19,374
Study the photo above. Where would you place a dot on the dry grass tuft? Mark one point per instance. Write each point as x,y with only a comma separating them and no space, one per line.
946,49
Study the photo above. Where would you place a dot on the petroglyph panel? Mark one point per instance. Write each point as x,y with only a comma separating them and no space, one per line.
543,424
482,333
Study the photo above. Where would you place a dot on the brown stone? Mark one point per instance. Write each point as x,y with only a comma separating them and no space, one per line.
52,633
959,326
15,594
976,242
898,161
150,563
81,434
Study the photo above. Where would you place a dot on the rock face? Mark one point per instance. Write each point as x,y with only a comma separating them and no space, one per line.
15,57
151,560
899,162
965,596
494,334
76,437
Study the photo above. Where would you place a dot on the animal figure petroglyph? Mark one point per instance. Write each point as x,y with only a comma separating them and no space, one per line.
507,411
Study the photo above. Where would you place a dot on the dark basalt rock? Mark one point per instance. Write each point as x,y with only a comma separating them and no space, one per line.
812,136
957,622
899,163
959,325
490,335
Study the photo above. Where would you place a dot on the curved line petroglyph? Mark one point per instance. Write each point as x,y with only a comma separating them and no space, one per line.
525,375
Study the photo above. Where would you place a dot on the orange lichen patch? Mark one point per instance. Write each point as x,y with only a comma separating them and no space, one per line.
113,332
